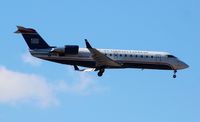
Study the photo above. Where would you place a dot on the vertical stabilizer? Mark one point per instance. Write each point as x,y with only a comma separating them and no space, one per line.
32,38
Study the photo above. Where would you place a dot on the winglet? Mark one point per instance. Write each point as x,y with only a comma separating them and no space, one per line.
76,67
87,44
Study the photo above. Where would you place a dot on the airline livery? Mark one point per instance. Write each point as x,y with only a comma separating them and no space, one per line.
99,59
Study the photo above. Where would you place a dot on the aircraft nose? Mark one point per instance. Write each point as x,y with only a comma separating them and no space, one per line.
183,65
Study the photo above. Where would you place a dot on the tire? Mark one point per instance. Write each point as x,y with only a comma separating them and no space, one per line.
100,74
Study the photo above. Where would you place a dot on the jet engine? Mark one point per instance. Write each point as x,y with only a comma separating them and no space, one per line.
71,49
67,50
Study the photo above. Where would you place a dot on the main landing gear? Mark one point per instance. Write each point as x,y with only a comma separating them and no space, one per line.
100,73
175,71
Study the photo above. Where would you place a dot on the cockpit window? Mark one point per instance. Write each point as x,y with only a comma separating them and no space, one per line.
171,56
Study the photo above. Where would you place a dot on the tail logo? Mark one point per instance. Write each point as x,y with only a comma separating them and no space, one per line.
34,41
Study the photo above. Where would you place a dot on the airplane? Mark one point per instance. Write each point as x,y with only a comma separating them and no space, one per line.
99,59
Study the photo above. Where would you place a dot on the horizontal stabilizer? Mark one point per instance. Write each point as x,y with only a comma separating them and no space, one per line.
24,30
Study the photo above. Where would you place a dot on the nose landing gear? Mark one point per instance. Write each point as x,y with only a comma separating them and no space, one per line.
100,73
175,71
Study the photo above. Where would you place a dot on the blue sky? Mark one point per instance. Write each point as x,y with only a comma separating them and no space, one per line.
34,90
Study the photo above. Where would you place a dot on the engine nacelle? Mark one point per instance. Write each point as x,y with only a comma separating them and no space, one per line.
71,49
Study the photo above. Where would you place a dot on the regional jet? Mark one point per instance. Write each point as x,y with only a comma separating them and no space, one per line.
99,59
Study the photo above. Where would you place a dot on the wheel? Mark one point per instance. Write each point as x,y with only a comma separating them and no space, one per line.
100,74
175,71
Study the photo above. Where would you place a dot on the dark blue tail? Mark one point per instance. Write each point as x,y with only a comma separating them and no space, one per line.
32,38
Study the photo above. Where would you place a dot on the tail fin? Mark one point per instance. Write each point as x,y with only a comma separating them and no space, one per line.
32,38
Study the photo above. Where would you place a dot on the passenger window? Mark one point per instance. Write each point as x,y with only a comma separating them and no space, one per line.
151,56
110,54
141,56
120,55
125,55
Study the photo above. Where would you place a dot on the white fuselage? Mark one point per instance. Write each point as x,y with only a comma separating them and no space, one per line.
128,58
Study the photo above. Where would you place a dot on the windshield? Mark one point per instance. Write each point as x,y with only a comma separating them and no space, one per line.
171,56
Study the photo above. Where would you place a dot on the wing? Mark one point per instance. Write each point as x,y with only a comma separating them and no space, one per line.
84,70
100,58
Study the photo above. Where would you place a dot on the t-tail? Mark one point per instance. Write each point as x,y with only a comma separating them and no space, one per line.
32,38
